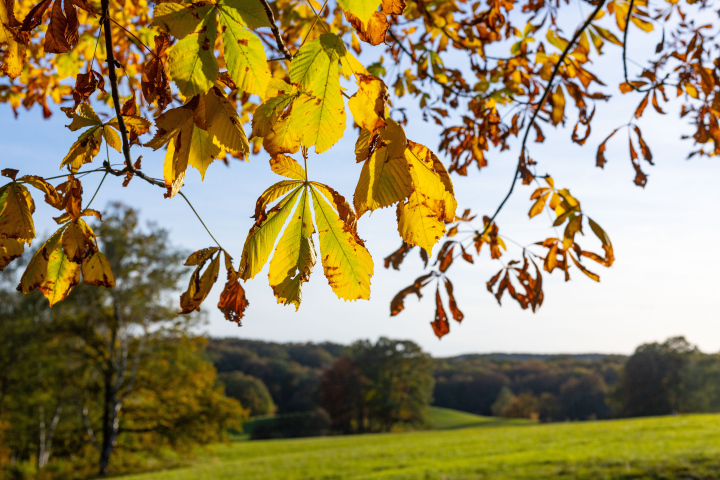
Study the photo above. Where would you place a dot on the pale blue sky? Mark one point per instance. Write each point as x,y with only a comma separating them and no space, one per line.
663,282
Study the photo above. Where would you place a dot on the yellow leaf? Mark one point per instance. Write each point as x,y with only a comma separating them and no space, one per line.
202,151
267,114
368,104
16,209
77,241
574,226
223,123
539,205
250,13
84,116
363,9
421,219
14,57
393,136
383,182
83,150
262,236
62,275
35,272
10,249
294,257
283,138
287,167
96,271
112,138
347,264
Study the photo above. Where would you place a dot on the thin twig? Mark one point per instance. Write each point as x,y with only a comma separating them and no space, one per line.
317,17
540,104
135,37
276,31
459,93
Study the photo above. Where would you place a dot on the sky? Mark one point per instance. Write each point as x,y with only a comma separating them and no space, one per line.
665,237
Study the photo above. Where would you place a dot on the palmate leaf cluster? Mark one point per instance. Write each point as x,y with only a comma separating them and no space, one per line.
198,75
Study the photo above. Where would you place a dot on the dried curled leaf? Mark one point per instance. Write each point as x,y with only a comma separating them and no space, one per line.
200,282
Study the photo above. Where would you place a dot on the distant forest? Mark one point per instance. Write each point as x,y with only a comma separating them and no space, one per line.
658,379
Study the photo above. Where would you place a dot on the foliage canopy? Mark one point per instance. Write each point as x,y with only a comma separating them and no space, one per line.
196,72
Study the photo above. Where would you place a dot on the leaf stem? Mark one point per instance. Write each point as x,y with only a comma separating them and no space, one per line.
201,221
96,190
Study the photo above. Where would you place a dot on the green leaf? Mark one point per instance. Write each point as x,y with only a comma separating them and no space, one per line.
247,12
244,56
191,61
180,19
347,264
319,118
267,114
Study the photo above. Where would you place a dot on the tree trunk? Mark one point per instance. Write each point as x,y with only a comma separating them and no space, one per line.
46,437
110,422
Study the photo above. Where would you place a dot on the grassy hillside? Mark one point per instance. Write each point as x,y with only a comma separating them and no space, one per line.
650,448
447,418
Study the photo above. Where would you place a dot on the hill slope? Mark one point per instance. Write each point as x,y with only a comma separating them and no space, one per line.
648,448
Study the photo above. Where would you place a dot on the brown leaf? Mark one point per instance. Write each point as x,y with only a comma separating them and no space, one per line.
644,149
55,41
454,310
397,304
11,173
233,301
393,7
86,84
200,285
440,325
154,81
374,32
601,161
397,257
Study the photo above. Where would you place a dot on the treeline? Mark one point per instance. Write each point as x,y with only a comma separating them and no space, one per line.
544,387
317,389
332,383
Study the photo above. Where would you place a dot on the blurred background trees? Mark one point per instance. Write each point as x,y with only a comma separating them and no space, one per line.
113,378
110,368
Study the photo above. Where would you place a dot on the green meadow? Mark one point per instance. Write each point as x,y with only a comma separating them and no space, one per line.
465,446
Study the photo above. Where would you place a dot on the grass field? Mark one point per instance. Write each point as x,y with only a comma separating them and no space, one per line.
686,447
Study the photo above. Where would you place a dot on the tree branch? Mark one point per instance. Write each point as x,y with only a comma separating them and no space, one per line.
276,31
540,104
105,18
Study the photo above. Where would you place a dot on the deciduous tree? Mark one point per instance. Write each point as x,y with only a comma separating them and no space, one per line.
492,74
